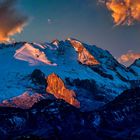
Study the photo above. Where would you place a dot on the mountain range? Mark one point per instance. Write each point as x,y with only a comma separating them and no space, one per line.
60,81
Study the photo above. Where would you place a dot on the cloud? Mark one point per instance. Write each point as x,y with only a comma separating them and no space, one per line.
129,57
124,12
12,20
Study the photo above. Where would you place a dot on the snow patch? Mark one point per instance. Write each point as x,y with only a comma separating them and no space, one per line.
32,55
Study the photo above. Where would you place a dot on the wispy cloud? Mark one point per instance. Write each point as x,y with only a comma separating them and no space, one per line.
12,20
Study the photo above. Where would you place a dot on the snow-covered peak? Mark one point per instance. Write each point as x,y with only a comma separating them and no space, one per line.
39,45
103,57
32,55
55,42
136,63
135,68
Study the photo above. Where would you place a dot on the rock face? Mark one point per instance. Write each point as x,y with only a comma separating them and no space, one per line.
56,86
38,77
24,101
84,55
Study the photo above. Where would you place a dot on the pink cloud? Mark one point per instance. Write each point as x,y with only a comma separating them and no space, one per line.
128,57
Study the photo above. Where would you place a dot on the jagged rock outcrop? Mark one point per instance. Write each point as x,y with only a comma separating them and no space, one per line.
24,101
84,55
56,86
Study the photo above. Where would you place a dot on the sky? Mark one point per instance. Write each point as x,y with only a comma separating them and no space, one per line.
86,20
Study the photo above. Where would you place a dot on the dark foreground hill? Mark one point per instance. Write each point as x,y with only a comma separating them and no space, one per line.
57,120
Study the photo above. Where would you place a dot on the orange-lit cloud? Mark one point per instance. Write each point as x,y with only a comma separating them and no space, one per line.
129,57
124,12
12,21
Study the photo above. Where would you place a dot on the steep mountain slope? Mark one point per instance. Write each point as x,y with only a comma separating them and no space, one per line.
120,119
32,55
91,73
135,67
